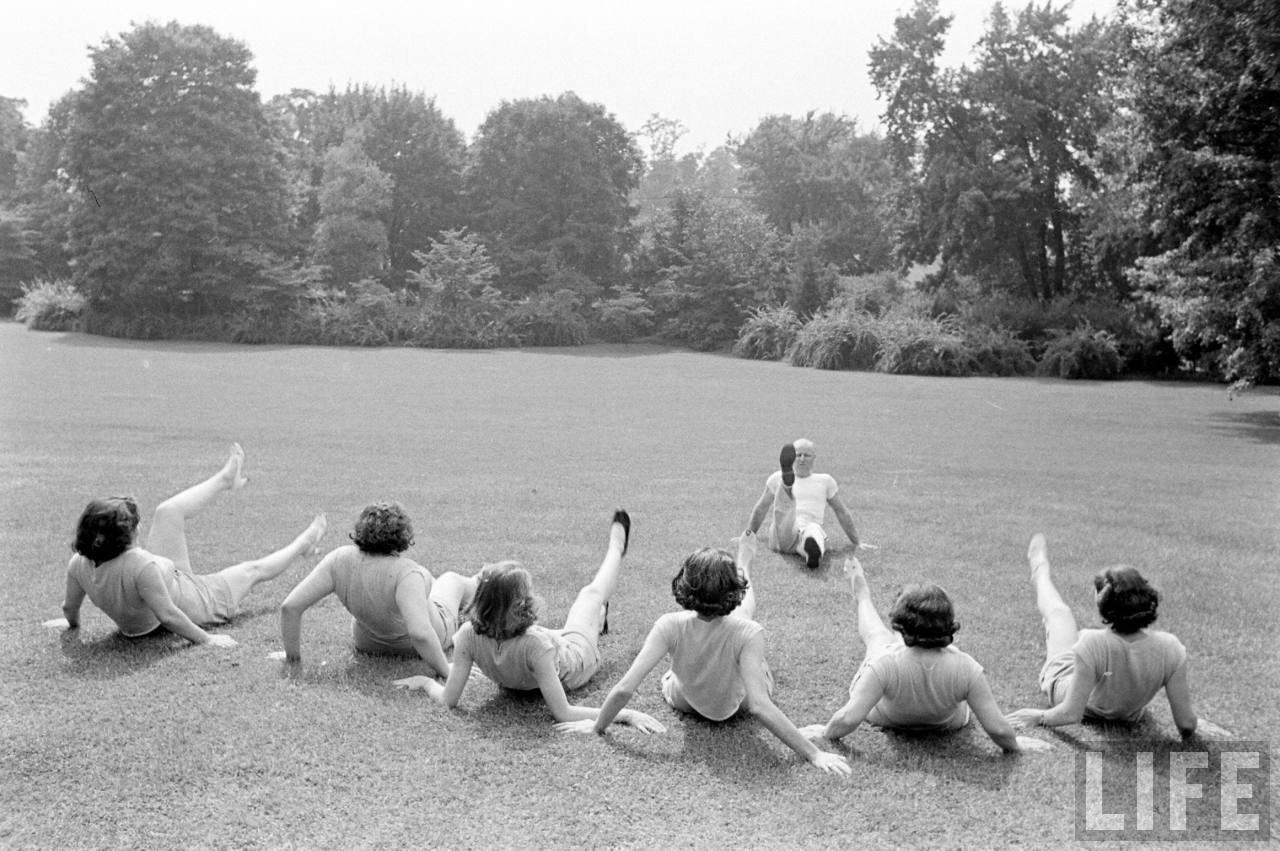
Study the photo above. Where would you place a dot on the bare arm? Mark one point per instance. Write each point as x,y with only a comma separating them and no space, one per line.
1069,711
655,647
843,516
761,510
866,693
72,600
317,585
152,589
411,598
987,711
762,707
1178,691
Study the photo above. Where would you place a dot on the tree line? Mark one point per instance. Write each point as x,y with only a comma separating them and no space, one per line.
1100,199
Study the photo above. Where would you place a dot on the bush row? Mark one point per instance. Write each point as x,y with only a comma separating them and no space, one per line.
873,323
904,340
365,314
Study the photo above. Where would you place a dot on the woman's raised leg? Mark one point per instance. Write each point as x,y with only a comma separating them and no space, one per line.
1060,630
168,534
589,610
245,575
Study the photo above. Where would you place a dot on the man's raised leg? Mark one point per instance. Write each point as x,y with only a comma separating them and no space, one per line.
168,534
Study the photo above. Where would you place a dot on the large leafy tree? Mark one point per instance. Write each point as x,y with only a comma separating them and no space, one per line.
715,259
350,237
1207,90
404,135
818,175
991,153
181,196
549,181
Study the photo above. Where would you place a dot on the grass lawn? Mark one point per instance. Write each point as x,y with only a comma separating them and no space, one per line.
524,454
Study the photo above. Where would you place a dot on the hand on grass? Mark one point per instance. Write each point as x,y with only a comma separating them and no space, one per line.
642,722
1025,719
582,725
56,623
1026,744
418,683
1205,727
831,763
814,732
217,639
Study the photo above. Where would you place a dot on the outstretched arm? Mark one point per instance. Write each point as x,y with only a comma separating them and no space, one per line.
655,647
760,511
565,712
867,691
152,589
843,516
1069,711
987,711
317,585
1178,691
411,598
72,600
762,707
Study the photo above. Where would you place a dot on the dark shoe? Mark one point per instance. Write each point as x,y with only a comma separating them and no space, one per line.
623,519
813,553
604,626
787,459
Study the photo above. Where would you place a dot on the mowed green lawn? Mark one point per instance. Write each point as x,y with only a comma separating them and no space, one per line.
524,454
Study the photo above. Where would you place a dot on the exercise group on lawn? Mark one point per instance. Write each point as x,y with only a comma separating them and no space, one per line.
913,677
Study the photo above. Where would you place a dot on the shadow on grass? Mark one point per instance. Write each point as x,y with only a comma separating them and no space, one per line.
1257,426
113,655
955,756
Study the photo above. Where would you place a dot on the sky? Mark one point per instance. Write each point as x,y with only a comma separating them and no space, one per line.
716,66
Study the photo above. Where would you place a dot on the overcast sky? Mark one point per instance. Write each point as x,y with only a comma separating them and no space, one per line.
716,66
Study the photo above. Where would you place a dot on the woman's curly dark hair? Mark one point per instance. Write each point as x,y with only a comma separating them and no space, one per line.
106,528
924,616
1126,601
383,529
504,605
709,583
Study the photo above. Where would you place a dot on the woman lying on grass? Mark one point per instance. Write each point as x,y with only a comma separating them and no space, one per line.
144,590
717,654
504,639
398,608
913,678
1105,674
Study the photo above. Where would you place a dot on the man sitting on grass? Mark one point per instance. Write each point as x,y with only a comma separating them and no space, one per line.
797,498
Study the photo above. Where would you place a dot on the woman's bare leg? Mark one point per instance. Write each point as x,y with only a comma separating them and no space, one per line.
1060,630
168,534
748,546
588,611
871,627
454,591
245,575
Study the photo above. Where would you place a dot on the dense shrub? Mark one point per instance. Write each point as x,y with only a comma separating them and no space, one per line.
1083,352
874,294
768,333
838,338
50,306
915,344
548,319
624,317
998,351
